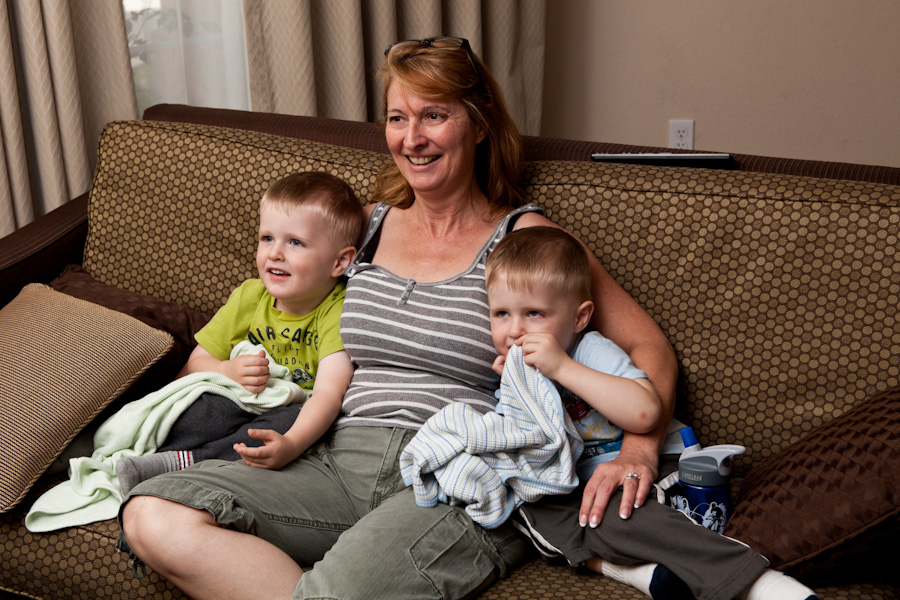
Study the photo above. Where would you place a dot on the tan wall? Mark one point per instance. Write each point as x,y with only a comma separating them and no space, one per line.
812,79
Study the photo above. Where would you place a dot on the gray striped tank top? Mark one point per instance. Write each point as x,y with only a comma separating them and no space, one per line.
416,346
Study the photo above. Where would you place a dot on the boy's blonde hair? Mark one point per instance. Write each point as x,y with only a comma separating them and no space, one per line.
331,197
541,257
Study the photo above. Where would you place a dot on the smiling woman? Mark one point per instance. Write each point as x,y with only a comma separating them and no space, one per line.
462,98
433,144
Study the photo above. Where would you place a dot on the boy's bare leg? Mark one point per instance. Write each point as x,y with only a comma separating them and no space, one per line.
187,547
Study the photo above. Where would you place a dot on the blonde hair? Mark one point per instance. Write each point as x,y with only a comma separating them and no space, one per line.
456,74
541,257
331,197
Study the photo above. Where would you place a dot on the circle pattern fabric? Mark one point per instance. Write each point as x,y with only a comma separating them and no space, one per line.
174,208
778,293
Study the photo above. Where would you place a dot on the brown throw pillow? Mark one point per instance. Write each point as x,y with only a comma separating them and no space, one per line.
63,360
179,321
173,318
825,508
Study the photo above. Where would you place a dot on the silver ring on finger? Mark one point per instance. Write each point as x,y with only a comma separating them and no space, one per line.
634,476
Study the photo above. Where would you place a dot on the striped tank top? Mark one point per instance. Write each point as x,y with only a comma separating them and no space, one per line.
417,346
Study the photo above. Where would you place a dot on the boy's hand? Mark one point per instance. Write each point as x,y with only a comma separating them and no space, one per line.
499,363
543,352
275,452
249,370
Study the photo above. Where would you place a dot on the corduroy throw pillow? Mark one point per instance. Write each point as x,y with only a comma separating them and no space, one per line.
63,360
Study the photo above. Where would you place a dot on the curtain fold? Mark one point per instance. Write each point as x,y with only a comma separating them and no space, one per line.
64,73
319,57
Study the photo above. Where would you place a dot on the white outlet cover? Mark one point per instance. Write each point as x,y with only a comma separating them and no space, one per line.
681,134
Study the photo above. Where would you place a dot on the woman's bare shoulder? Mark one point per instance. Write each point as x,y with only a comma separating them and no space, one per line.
532,219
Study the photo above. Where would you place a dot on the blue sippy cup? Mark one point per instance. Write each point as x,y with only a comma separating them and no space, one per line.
703,491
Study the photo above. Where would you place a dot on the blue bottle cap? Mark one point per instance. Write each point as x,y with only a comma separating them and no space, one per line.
688,437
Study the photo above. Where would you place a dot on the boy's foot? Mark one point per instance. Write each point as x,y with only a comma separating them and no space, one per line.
134,469
775,585
652,579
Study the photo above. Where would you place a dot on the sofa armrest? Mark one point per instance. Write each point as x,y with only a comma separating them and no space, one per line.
38,252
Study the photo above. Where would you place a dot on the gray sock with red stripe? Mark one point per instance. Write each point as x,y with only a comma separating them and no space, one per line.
134,469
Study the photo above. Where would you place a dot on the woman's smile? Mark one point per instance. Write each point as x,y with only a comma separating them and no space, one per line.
422,160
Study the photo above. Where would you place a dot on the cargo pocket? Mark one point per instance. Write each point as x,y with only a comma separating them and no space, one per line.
450,555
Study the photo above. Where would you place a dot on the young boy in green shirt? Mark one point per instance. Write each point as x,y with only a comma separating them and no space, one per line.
310,224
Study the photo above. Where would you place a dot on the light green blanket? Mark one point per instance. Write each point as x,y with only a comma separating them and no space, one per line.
92,492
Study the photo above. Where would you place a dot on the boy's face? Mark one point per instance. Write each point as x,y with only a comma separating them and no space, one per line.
298,258
542,310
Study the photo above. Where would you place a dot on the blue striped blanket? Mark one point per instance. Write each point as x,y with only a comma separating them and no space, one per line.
493,462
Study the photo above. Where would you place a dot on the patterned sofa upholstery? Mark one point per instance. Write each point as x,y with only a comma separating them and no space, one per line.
776,281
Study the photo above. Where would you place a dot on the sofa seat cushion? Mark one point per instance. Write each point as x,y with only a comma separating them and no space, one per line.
77,563
82,563
63,361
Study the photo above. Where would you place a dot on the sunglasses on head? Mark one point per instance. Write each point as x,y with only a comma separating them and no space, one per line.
449,43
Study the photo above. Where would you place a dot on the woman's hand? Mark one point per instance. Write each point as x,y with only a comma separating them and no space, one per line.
610,476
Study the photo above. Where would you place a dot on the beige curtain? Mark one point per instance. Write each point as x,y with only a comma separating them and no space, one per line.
64,73
319,57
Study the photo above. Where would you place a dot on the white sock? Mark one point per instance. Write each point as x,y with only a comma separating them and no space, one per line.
637,576
652,579
775,585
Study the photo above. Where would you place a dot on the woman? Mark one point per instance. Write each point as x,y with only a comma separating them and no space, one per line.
416,325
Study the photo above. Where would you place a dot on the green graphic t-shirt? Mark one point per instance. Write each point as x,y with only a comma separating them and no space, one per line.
297,342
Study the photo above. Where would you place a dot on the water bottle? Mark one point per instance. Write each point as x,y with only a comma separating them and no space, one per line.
703,491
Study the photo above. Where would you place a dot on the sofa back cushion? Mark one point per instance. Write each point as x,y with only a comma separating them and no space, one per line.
173,211
778,293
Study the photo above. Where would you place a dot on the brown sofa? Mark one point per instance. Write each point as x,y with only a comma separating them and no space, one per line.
777,282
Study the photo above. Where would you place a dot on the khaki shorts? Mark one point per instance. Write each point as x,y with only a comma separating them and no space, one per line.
346,497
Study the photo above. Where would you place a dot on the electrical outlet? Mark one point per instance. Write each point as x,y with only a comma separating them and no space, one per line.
681,134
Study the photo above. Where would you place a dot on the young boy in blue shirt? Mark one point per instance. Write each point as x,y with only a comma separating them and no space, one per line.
310,224
539,293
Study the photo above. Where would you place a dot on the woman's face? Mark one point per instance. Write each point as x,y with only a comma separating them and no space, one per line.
432,142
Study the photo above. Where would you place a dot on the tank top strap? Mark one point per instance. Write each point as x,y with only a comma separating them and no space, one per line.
373,230
506,225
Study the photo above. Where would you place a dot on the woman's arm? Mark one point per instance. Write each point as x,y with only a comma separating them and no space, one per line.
618,317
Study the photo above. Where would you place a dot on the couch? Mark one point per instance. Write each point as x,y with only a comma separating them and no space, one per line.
777,282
